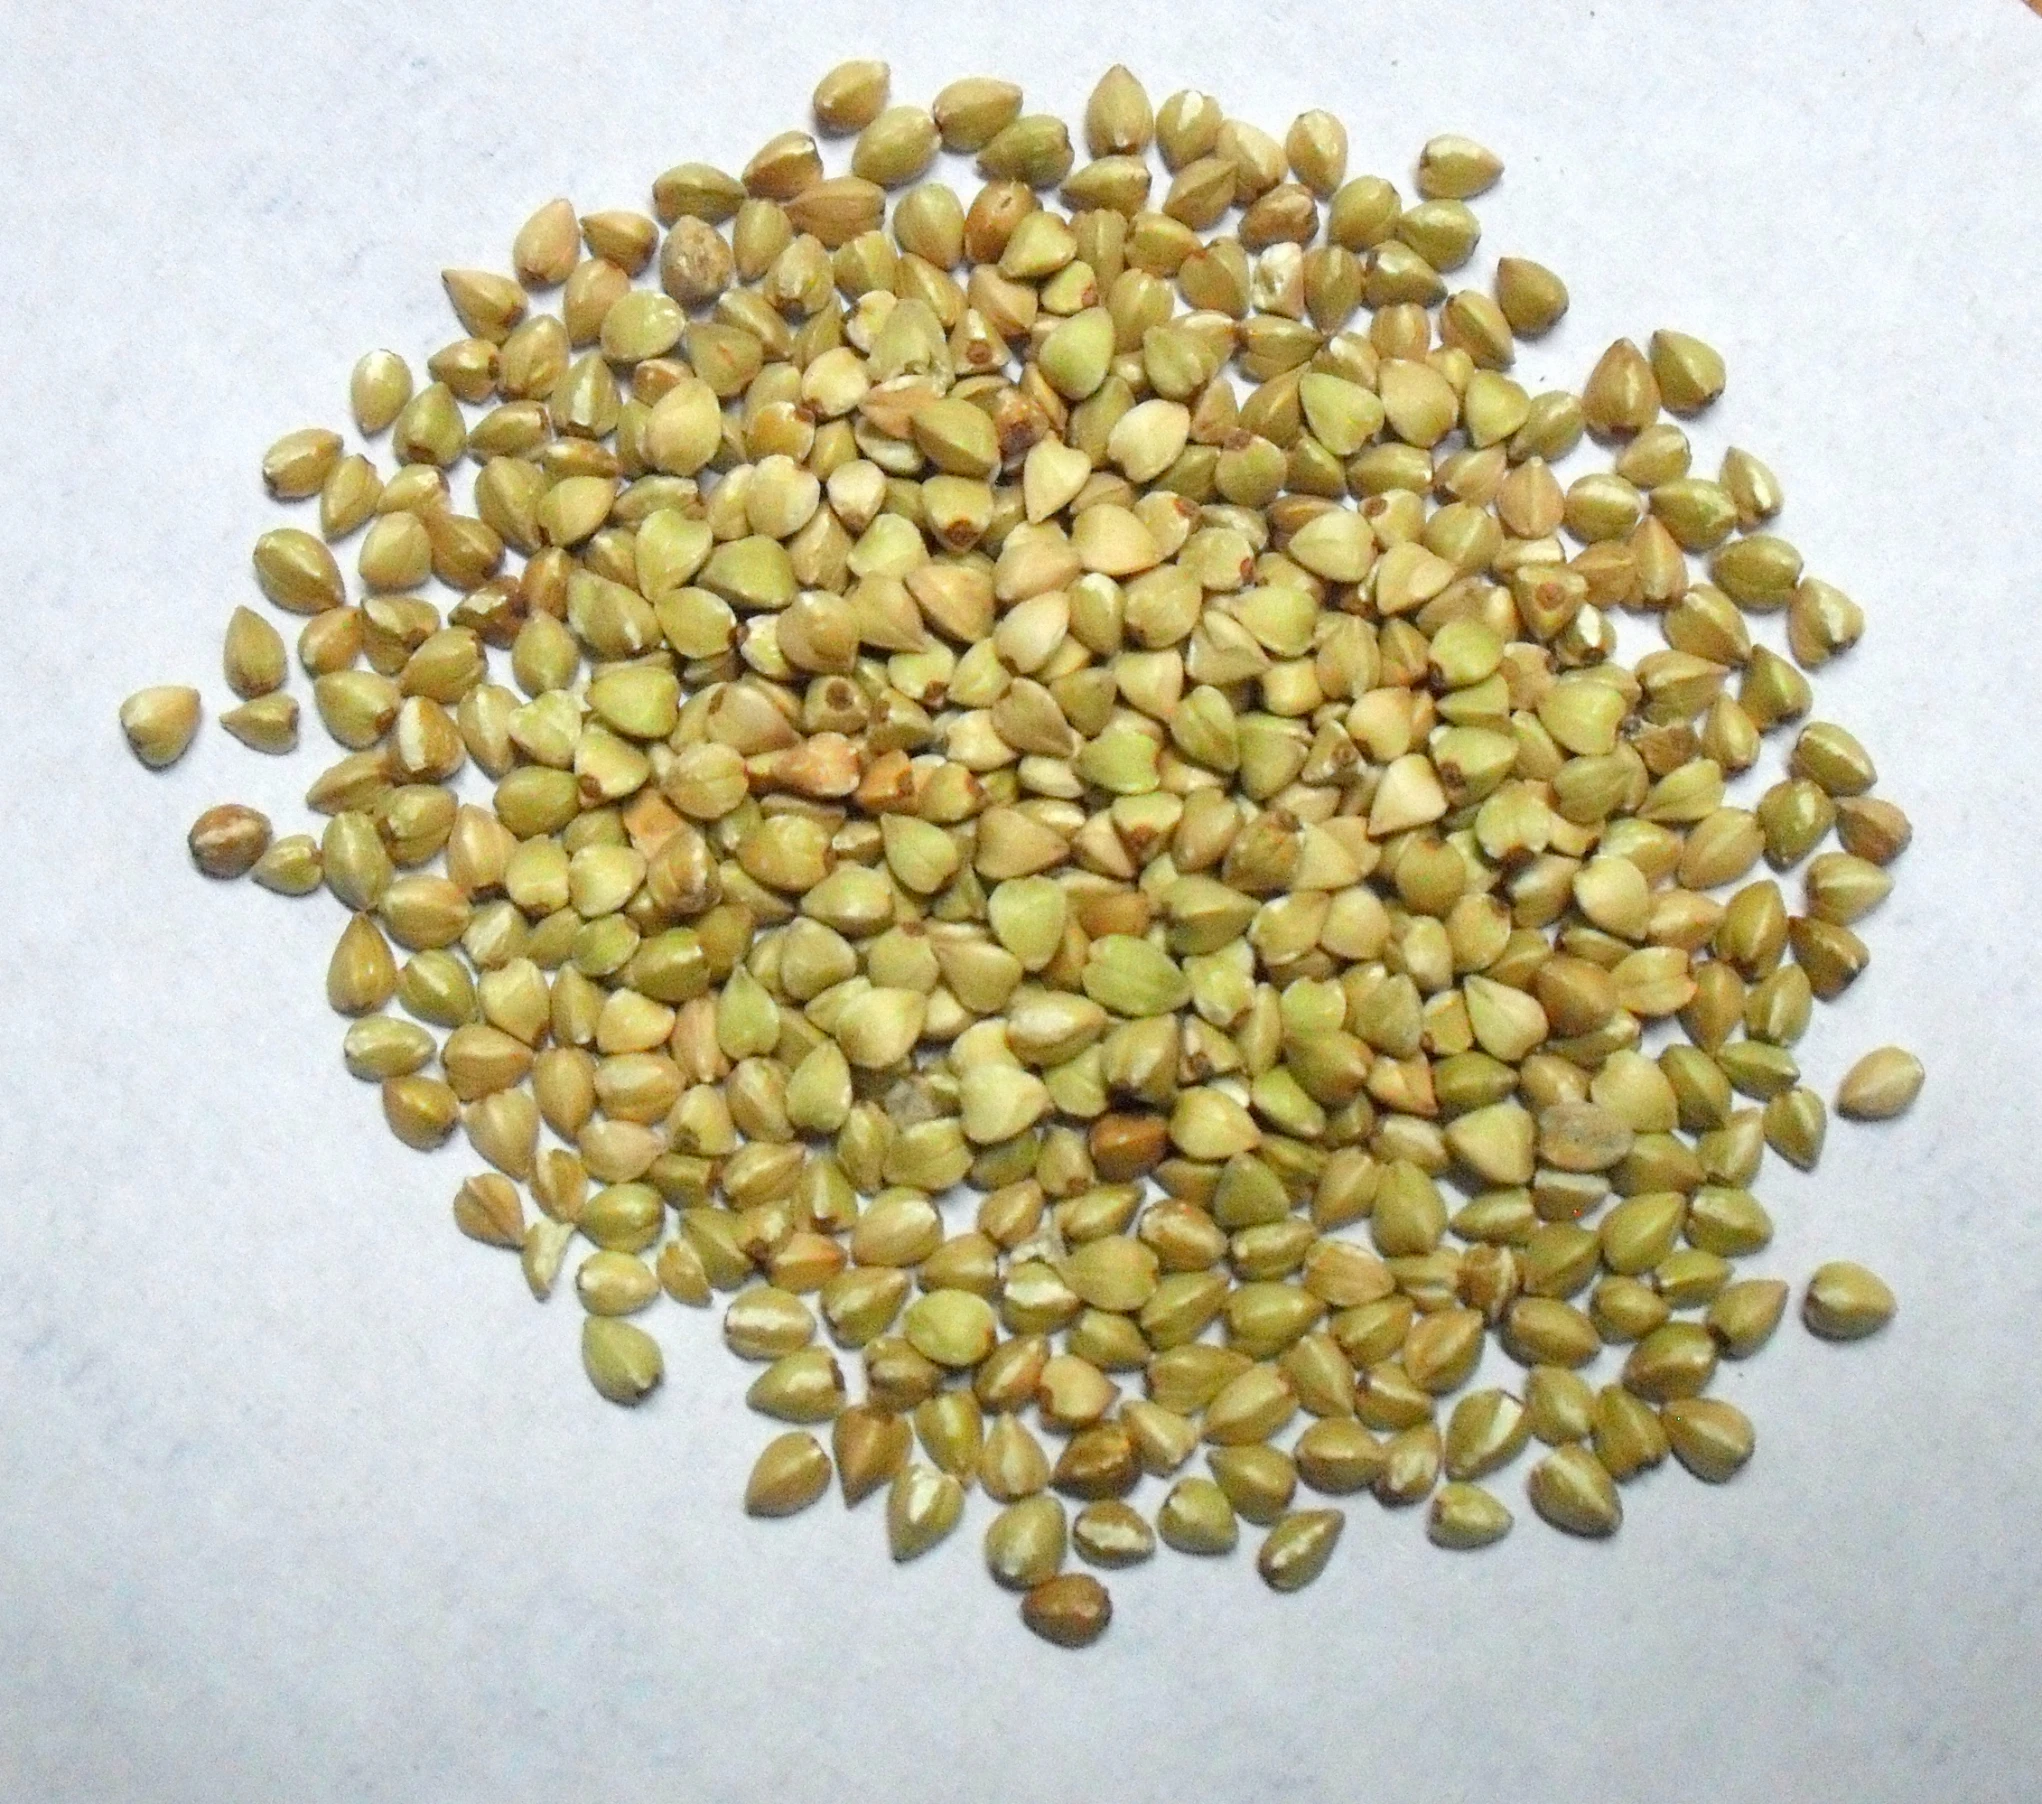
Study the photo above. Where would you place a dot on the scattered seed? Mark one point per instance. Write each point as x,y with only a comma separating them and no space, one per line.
1846,1302
1880,1085
160,723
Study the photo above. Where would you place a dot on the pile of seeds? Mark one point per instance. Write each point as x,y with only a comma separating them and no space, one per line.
1069,834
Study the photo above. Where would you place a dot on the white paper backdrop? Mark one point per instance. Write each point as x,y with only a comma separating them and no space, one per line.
300,1495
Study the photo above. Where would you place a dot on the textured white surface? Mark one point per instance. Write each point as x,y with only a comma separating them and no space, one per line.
300,1495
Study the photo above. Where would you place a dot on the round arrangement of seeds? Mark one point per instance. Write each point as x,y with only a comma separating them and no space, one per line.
1069,832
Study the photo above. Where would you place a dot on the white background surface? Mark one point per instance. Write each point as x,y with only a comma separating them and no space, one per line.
301,1496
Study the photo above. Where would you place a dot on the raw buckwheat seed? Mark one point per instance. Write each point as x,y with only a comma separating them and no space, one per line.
1034,789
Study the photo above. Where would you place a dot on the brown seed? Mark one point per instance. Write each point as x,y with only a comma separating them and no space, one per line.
1071,1610
227,840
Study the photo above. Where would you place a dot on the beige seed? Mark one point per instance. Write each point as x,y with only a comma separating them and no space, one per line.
1881,1085
291,867
1456,168
1197,1517
1689,373
488,1208
871,1447
1846,1302
971,112
547,246
1531,296
1112,1534
297,572
378,390
299,462
160,723
850,96
803,1386
955,1328
1743,1315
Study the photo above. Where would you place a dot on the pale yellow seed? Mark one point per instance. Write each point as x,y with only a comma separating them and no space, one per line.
160,723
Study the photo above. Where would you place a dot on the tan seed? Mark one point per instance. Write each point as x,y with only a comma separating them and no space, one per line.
1072,1610
1846,1302
790,1474
160,723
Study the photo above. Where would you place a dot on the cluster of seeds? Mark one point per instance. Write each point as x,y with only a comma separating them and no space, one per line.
1110,706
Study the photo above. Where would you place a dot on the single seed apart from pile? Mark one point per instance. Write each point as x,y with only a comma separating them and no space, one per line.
1846,1302
1880,1085
160,723
1092,695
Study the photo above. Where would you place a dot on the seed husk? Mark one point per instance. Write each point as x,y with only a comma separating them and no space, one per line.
1844,1301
